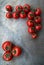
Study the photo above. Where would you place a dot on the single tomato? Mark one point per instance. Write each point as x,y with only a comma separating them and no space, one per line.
34,35
8,15
8,7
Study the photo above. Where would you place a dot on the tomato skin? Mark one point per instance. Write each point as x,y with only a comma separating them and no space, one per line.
15,15
38,19
30,23
34,35
19,8
8,15
31,30
23,15
26,8
16,51
7,56
8,7
30,15
38,27
38,12
7,46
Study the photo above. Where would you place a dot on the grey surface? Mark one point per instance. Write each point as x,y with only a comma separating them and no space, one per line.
33,50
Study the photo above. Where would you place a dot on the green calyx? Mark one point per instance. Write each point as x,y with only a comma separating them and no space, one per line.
8,55
7,48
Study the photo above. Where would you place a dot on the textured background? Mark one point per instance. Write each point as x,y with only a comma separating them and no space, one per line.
33,50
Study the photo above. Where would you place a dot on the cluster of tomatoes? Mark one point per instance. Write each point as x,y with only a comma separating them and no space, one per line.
10,50
34,18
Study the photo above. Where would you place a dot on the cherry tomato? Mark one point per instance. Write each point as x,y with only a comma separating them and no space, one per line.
7,46
8,15
38,19
8,7
7,56
31,30
26,8
16,51
38,12
19,8
30,15
23,15
30,23
15,15
38,27
34,35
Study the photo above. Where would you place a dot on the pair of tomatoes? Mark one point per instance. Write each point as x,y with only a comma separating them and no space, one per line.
10,50
34,22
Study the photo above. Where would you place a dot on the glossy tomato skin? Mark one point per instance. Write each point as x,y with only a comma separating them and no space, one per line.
8,7
23,15
15,15
7,56
38,27
30,23
7,46
26,8
38,12
16,51
8,15
38,19
30,15
34,35
19,8
31,30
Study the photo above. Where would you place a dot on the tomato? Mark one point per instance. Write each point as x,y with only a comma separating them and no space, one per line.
8,7
15,15
26,8
7,46
8,15
31,30
34,35
23,15
38,19
38,27
30,23
19,8
38,12
30,15
16,51
7,56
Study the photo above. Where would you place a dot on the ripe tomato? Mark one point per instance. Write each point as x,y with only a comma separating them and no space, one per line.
31,30
8,15
7,46
8,7
23,15
19,8
16,51
26,8
30,15
34,35
15,15
7,56
38,12
38,19
30,23
38,27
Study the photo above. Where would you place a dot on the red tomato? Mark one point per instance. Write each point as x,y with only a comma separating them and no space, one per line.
7,56
7,46
23,15
30,15
8,7
38,27
30,23
38,19
15,15
19,8
16,51
31,30
8,15
26,8
38,12
34,35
